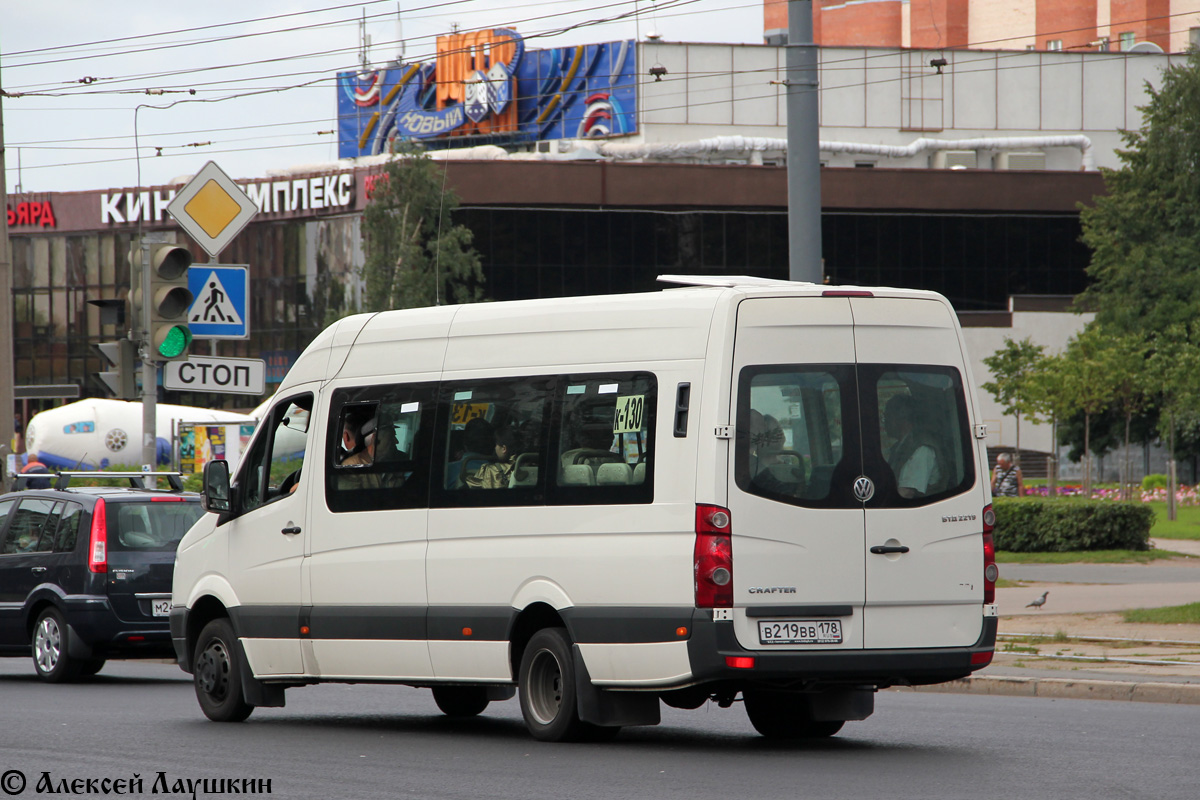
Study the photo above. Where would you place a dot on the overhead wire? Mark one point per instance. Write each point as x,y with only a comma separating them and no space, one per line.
694,76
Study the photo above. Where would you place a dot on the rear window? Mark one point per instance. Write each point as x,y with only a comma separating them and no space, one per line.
807,432
149,526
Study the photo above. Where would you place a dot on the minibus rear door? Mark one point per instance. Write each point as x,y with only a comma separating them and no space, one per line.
798,530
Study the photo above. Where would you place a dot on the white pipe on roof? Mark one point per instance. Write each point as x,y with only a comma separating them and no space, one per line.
747,144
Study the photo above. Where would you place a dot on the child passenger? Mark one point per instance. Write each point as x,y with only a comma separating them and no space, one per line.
495,474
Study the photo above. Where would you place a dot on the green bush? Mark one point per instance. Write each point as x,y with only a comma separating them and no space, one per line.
1152,482
1055,526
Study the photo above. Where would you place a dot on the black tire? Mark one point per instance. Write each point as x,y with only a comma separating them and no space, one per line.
50,645
217,673
91,667
547,689
461,701
786,715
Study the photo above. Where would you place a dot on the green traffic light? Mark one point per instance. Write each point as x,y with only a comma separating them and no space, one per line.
176,341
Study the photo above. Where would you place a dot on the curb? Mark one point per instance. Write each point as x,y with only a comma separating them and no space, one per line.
1066,689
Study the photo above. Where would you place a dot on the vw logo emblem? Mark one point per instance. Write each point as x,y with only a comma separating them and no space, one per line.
864,490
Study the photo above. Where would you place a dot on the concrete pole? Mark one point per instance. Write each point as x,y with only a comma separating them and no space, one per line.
7,373
804,153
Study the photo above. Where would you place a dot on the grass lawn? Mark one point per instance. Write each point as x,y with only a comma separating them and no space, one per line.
1171,615
1085,557
1185,526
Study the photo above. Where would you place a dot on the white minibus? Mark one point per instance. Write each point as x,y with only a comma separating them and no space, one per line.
735,489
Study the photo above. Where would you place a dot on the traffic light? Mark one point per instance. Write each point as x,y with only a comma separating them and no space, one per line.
122,381
170,299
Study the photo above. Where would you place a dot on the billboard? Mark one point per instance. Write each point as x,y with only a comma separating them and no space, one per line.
485,87
201,442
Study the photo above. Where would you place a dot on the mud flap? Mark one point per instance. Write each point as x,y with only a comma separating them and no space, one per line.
497,694
254,691
842,704
608,708
76,646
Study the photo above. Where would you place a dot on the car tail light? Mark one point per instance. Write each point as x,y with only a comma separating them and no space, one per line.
98,544
847,293
166,499
713,558
990,571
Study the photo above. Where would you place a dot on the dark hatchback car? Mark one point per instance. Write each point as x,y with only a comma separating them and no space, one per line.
85,572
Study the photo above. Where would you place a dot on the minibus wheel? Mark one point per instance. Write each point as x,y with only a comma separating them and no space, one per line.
217,673
547,688
785,715
461,701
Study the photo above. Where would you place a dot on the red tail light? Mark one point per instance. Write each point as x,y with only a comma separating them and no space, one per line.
98,544
167,499
990,571
713,558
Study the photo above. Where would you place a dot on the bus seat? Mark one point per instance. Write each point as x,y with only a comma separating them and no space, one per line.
525,471
578,475
639,473
614,474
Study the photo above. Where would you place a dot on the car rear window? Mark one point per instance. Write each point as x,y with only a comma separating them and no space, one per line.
150,526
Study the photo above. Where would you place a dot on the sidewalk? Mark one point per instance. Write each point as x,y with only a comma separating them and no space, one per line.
1078,645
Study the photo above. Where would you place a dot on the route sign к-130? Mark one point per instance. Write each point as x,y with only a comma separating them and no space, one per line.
220,310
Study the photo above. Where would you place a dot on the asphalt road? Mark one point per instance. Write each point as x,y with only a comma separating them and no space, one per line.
362,742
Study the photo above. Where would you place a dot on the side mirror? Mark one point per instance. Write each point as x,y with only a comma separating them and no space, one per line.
215,497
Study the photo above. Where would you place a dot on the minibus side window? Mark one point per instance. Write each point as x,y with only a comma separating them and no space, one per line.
604,452
378,446
272,468
493,441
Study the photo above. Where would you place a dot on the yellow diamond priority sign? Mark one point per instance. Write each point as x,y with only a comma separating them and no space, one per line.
212,209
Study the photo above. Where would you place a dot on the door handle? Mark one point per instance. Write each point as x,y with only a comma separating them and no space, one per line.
38,569
290,530
884,549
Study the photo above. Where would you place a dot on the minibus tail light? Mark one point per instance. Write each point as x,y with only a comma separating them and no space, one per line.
990,571
98,542
713,558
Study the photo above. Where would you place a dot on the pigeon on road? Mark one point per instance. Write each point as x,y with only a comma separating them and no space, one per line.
1041,601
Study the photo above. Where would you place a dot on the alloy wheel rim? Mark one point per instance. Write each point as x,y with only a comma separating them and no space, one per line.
47,645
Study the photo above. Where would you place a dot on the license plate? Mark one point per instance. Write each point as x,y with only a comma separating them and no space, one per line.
800,631
160,608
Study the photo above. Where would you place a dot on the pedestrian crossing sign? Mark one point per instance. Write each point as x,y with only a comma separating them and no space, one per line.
219,310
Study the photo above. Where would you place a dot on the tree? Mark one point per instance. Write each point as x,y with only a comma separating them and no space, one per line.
1174,367
1085,372
1145,234
1050,397
1014,366
1126,356
415,255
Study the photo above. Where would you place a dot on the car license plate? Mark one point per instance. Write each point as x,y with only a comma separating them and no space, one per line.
800,631
160,608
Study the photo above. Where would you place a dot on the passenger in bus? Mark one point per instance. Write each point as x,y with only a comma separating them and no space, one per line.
495,474
766,442
478,443
365,455
351,439
913,456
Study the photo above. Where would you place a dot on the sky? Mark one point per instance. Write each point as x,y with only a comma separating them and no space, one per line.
250,84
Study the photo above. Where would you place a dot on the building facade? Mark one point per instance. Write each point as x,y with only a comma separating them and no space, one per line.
1170,26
